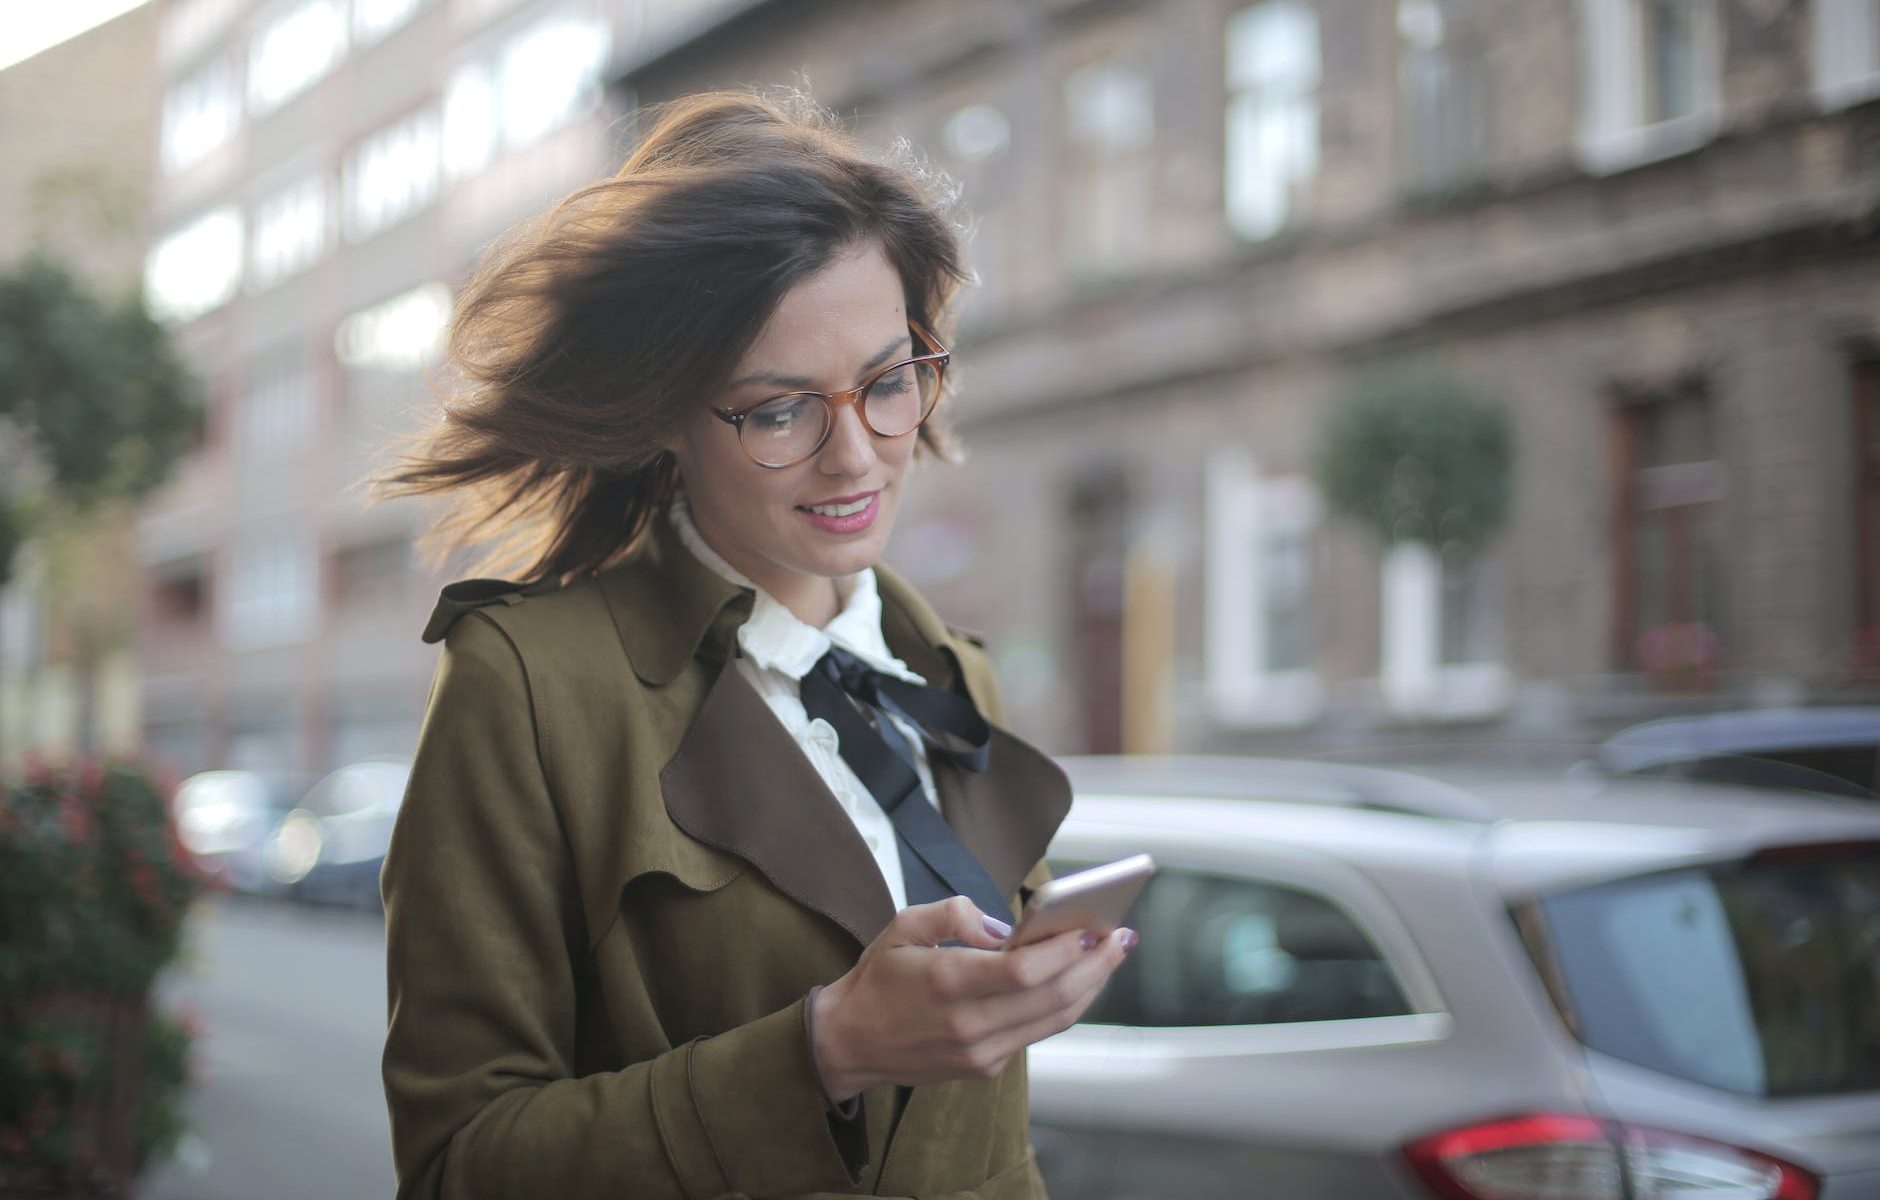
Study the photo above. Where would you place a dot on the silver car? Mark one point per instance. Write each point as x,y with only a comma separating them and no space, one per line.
1365,983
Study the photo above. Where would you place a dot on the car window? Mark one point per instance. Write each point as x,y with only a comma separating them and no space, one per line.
1838,770
1762,979
1227,950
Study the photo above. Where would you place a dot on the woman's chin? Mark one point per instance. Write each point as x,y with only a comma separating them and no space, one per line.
846,558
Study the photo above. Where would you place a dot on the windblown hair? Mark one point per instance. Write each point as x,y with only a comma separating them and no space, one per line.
587,333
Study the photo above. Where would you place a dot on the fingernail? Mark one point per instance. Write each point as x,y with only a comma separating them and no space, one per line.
995,927
1090,940
1129,940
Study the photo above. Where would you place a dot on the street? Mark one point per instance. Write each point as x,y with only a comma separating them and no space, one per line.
287,1102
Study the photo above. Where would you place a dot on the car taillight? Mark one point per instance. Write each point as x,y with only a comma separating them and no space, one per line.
1548,1156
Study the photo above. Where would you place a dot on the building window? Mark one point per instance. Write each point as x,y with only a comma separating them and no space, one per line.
1441,634
373,19
976,137
1263,644
179,593
1653,79
470,132
1109,120
1443,106
391,175
397,334
293,50
550,74
1846,50
195,268
1668,539
272,593
1867,513
1272,147
293,229
276,415
544,77
199,114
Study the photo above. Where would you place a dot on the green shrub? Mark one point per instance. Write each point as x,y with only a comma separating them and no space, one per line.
94,891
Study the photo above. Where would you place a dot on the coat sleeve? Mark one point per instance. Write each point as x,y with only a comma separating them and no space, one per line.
484,943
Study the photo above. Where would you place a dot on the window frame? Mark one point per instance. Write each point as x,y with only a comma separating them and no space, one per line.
1098,167
1466,65
1614,130
1273,864
1242,502
1865,398
1626,508
1241,97
1413,677
1835,27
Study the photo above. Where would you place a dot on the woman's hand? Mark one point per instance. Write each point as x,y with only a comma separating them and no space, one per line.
911,1011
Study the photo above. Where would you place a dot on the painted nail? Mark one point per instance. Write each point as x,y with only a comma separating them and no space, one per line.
1129,940
1089,941
994,926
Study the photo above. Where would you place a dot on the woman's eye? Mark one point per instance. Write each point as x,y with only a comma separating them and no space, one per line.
777,418
891,384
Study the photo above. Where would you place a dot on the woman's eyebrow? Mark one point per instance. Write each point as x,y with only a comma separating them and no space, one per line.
797,381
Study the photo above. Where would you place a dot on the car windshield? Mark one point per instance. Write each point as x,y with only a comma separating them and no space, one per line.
1761,978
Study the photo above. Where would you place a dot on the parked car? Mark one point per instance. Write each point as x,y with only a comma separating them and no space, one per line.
1821,749
225,818
329,849
1360,983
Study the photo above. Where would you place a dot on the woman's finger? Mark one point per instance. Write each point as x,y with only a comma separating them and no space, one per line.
1021,970
955,919
1082,976
1033,1017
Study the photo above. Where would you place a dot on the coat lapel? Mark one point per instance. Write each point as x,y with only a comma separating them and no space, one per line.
741,783
1007,813
675,616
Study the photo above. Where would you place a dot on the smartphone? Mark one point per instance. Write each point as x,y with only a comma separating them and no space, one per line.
1094,900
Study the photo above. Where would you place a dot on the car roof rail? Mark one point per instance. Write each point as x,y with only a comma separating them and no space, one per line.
1278,780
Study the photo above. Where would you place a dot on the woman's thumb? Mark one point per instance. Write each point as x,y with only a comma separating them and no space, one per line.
956,919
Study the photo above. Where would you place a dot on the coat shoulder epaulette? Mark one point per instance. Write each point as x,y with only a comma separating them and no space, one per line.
460,597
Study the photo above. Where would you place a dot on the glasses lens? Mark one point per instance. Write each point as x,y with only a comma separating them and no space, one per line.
782,430
901,399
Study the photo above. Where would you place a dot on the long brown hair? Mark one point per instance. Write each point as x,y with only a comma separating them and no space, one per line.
588,332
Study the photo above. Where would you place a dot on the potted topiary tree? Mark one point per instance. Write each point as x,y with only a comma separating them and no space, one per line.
1424,462
94,889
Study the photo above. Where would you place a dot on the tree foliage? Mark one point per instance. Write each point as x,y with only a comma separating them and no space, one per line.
94,387
1417,455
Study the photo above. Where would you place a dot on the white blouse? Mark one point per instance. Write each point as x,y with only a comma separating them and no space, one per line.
779,649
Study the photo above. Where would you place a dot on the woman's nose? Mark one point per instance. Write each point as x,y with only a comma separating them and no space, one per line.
850,450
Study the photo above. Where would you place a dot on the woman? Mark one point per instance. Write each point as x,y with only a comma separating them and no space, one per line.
647,822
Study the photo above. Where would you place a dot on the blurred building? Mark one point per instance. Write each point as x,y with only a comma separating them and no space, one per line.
77,143
327,172
1647,228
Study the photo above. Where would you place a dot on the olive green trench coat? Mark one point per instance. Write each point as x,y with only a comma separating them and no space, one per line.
612,882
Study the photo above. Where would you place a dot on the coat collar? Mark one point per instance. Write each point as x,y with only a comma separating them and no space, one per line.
664,600
800,839
667,606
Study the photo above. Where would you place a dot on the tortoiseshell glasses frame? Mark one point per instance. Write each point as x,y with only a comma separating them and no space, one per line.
925,374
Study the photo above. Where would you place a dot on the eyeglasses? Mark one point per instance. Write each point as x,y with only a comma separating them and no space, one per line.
896,400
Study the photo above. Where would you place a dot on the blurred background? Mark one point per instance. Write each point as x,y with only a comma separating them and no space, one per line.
1640,229
1342,377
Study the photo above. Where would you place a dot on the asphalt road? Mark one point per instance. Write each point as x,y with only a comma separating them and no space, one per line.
287,1104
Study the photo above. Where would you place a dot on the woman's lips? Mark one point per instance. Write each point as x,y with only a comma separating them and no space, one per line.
853,523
